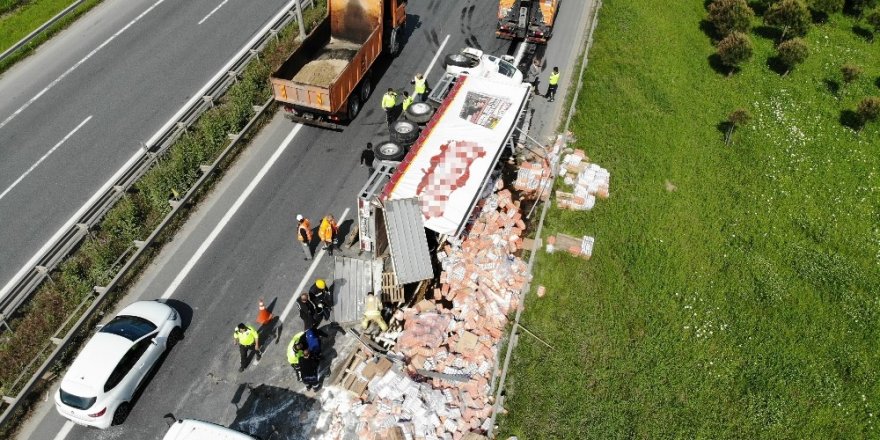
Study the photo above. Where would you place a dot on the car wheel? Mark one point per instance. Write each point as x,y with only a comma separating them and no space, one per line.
419,112
354,106
404,132
366,89
389,151
458,60
174,337
121,413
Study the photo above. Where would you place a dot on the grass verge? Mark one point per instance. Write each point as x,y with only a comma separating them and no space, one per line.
19,23
733,291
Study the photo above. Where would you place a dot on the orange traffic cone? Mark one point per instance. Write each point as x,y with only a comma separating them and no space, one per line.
264,315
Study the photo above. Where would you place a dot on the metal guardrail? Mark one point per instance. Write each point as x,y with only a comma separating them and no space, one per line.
24,41
153,149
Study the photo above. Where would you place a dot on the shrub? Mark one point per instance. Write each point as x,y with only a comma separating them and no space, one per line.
859,7
790,15
868,109
730,15
826,7
735,119
873,19
792,52
850,73
735,49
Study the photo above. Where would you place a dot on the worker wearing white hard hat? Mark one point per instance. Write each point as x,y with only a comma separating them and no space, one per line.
304,234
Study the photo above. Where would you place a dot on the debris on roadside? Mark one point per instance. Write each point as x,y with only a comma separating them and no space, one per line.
588,180
579,247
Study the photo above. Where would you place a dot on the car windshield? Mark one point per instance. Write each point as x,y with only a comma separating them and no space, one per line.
506,68
77,401
129,327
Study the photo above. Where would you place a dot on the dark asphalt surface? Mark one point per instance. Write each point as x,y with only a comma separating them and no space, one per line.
130,88
256,256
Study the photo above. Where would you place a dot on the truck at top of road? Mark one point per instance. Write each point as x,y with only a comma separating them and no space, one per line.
529,20
327,79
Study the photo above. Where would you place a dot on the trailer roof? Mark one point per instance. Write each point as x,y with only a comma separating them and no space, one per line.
452,161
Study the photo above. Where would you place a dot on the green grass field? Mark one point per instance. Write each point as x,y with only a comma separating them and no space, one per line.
743,303
17,24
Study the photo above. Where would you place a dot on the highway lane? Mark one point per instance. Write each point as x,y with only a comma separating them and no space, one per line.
255,254
128,66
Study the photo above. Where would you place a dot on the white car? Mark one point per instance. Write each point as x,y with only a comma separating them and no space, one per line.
188,429
98,388
474,62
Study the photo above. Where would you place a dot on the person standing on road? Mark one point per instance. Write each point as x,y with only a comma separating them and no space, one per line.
407,101
534,75
308,370
553,82
389,101
420,88
302,341
327,232
320,295
367,158
304,234
307,311
248,339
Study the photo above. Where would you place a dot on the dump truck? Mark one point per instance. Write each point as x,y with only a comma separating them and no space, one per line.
528,20
326,80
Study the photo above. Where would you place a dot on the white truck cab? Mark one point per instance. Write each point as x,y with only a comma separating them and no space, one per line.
471,61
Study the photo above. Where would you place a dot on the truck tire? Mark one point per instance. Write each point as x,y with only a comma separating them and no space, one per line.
419,112
459,60
366,88
389,151
354,105
404,133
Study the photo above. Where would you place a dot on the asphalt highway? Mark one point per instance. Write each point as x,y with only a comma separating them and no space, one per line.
239,246
74,112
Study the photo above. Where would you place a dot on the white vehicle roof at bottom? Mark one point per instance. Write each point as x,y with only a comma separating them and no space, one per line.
188,429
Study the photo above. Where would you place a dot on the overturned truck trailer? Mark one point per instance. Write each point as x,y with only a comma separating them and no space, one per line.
405,209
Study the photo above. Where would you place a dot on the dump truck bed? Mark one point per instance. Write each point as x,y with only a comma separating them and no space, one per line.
326,68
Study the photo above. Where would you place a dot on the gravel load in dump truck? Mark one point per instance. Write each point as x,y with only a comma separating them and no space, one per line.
329,64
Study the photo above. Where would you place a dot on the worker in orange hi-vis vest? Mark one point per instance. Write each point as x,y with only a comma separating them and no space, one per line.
327,233
304,234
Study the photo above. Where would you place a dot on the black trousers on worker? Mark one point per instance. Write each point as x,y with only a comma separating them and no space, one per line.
245,351
551,92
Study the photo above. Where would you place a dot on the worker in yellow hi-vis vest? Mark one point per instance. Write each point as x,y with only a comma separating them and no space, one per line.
420,87
389,101
553,82
248,339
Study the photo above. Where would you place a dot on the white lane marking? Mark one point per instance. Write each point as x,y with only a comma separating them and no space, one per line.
231,212
20,178
198,95
308,275
62,434
79,63
51,242
436,55
223,71
213,11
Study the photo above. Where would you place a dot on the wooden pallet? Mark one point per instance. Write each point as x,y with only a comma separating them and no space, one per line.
348,378
392,291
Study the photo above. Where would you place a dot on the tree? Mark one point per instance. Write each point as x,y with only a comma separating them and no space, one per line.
873,18
734,50
826,7
850,73
868,109
730,15
791,15
735,119
792,52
